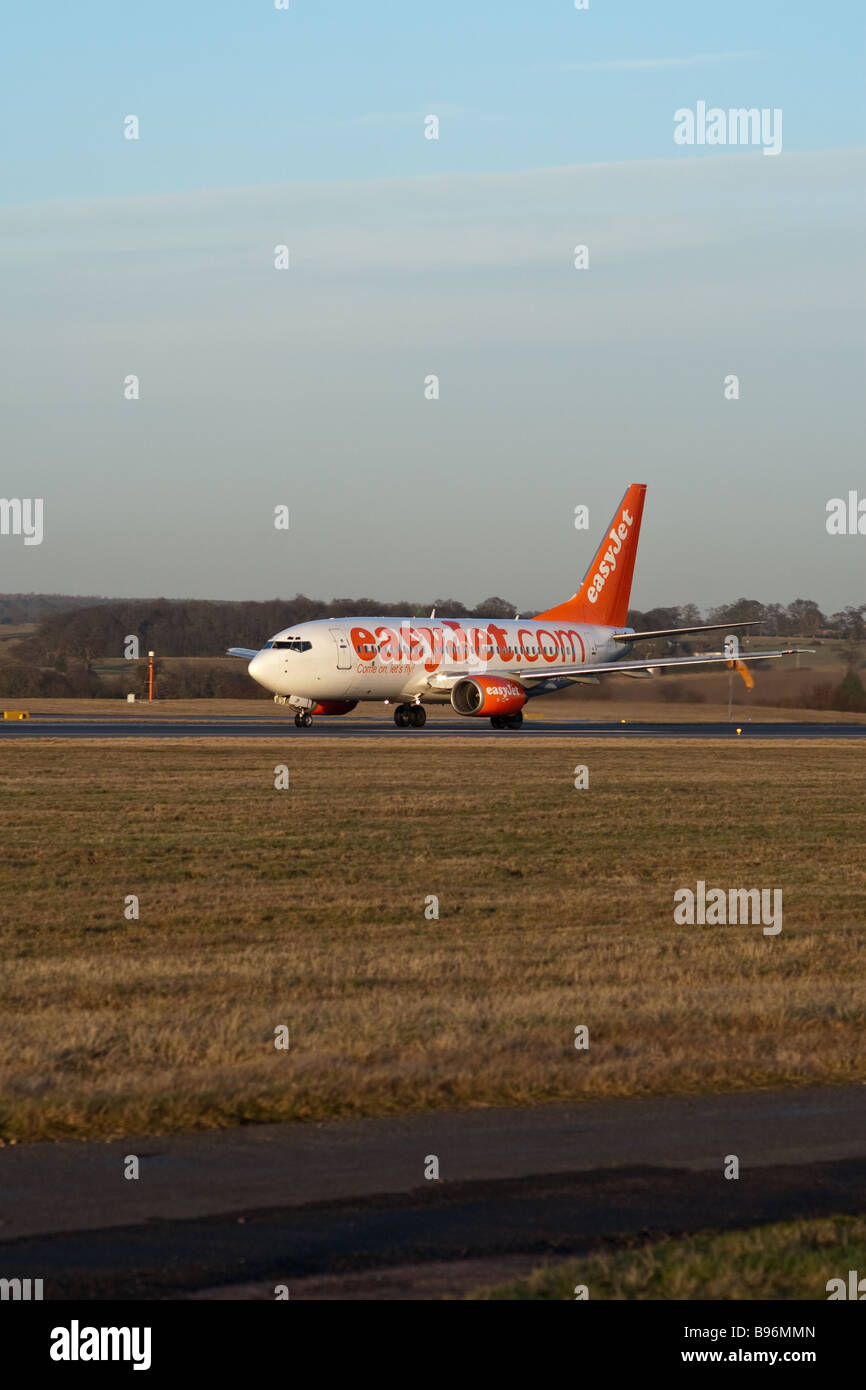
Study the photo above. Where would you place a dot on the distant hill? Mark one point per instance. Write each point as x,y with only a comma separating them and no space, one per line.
31,608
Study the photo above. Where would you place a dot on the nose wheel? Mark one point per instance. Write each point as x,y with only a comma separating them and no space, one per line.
303,719
410,716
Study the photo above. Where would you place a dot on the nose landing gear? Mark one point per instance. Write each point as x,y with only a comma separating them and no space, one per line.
303,719
406,716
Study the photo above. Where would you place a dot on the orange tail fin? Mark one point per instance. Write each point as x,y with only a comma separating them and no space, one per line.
604,592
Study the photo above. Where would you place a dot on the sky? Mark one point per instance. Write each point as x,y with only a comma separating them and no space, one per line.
412,257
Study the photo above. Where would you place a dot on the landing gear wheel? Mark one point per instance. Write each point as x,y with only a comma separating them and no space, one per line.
402,716
303,719
497,722
417,716
514,721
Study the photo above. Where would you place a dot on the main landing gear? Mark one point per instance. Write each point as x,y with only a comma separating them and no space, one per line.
303,719
406,716
507,721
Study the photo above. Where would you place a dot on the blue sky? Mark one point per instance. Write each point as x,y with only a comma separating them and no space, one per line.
409,257
239,94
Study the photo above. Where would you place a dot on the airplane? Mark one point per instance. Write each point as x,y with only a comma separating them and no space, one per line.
483,668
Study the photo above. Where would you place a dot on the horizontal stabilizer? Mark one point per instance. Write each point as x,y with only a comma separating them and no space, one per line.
246,652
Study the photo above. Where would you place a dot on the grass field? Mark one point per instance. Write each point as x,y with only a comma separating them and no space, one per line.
791,1260
306,907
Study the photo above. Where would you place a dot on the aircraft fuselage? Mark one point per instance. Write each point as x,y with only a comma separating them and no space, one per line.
409,658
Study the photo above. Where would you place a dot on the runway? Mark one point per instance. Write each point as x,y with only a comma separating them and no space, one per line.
348,1199
252,726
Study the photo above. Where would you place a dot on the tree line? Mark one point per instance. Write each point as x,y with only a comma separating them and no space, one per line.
175,627
60,657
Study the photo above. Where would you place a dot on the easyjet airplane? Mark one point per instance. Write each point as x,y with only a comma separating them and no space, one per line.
485,669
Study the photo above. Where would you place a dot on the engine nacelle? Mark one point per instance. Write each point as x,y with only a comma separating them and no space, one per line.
333,707
488,695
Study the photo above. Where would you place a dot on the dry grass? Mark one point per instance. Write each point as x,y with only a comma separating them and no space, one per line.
306,907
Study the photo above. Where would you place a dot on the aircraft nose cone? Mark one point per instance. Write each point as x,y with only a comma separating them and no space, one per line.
257,667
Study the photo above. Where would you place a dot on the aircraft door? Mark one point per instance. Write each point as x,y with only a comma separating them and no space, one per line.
344,651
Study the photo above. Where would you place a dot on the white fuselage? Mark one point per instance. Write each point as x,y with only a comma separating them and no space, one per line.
405,659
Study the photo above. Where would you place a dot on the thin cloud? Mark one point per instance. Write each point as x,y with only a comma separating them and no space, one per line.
632,64
445,109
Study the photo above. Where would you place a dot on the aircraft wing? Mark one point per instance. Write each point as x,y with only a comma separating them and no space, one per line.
246,652
654,664
681,631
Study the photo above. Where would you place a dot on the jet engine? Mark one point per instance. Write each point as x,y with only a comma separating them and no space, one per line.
488,695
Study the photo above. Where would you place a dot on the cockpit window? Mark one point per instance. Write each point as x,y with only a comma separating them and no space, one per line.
293,645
